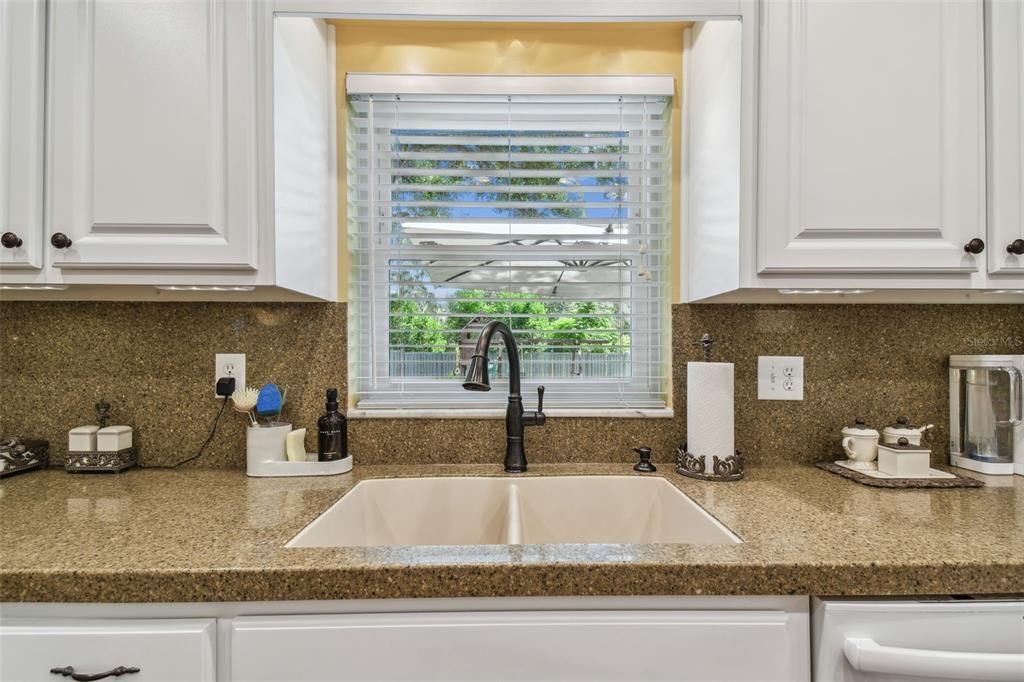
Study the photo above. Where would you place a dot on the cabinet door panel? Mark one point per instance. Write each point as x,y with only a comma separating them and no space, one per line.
162,650
22,82
872,136
151,133
551,645
1005,33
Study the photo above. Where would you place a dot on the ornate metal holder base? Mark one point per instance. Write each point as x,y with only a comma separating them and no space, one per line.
17,455
92,461
728,469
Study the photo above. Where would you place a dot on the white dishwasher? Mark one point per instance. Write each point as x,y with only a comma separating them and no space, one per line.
917,640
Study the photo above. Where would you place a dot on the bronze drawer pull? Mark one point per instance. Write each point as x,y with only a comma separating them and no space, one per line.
85,677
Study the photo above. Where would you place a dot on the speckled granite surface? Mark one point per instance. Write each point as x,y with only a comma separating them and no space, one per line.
154,361
195,535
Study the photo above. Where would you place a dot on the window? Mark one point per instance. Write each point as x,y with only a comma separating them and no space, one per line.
504,201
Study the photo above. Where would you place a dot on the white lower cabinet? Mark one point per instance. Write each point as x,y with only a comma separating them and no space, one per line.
165,650
506,638
532,645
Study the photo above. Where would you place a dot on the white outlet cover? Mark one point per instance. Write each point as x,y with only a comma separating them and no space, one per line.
229,365
780,377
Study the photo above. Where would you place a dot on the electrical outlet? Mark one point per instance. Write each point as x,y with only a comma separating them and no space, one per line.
229,365
780,377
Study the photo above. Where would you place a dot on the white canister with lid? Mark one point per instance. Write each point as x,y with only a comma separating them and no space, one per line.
904,459
82,438
114,438
903,429
860,443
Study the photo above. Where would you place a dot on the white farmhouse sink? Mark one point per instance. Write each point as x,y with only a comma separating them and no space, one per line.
493,511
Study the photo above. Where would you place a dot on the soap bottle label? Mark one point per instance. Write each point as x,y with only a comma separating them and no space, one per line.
328,442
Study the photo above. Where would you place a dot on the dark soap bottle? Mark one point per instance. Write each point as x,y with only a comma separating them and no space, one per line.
332,435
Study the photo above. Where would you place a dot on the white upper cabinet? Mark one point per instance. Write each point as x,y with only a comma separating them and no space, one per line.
1005,33
151,136
22,64
872,137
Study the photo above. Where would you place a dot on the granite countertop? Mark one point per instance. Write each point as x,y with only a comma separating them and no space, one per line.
205,535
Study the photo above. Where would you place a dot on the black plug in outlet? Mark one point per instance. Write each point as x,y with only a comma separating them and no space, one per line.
225,386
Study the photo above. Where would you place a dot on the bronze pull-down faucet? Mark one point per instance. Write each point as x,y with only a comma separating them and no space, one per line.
516,419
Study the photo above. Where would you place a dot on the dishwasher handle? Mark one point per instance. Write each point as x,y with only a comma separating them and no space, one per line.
867,655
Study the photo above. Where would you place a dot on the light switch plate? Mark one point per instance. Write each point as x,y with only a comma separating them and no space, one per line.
229,365
780,377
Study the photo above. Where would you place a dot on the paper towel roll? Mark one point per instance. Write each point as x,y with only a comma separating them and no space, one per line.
709,411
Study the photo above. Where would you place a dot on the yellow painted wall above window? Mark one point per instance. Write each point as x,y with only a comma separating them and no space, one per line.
422,47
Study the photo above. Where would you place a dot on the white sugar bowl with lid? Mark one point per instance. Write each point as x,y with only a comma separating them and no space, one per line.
860,443
902,429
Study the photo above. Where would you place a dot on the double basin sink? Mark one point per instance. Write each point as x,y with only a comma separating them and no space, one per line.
506,511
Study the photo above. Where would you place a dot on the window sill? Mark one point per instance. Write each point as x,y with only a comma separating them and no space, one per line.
493,413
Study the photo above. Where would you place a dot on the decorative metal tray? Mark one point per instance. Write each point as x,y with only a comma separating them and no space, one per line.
17,455
952,481
94,461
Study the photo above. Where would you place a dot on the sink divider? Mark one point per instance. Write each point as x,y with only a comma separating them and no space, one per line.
514,518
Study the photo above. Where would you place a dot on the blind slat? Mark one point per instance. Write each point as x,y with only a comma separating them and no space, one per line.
496,185
595,139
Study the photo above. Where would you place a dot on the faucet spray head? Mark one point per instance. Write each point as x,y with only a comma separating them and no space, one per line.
476,376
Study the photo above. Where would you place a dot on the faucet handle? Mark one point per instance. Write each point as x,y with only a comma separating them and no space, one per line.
535,417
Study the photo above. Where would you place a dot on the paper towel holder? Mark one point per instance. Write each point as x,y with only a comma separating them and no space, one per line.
725,468
705,345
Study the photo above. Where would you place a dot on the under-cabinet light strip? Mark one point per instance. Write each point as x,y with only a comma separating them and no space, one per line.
182,287
825,291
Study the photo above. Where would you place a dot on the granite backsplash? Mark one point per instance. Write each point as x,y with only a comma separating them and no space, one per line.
154,361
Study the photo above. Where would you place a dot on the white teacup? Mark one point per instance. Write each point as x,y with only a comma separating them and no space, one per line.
862,450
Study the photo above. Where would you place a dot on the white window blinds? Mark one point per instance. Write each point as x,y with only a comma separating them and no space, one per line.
549,212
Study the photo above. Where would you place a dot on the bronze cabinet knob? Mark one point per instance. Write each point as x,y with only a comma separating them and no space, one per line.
1016,247
974,246
13,241
60,240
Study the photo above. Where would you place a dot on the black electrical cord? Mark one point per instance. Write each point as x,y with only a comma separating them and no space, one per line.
202,447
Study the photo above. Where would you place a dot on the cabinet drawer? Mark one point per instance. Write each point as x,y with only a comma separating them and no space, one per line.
163,650
550,645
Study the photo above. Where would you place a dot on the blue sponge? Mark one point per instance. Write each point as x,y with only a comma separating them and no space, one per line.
268,403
